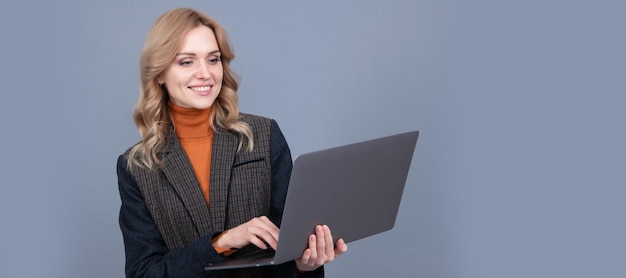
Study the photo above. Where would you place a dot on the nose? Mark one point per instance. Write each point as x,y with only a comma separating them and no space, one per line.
203,71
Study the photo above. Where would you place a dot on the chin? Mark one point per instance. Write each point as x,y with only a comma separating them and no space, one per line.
202,106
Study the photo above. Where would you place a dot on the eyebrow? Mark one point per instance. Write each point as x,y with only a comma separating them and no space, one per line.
194,54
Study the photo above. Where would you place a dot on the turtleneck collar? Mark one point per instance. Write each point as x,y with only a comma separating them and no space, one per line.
190,122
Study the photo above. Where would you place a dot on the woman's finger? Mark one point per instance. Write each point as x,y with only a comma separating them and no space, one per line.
341,247
313,248
329,245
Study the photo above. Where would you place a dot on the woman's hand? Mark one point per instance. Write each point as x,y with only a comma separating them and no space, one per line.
259,231
321,249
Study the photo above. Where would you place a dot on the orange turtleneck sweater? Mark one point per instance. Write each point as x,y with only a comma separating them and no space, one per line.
196,137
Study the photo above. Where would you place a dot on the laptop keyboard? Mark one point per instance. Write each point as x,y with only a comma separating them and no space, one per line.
259,254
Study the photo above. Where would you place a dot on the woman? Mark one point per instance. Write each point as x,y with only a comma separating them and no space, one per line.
205,182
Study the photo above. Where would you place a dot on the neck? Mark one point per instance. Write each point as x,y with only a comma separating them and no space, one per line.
190,122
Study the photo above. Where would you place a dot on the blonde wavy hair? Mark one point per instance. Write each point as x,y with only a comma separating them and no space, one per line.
152,116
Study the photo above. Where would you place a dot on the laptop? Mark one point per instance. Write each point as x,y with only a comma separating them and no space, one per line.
354,189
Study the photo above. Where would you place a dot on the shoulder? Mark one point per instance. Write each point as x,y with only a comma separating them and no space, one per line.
265,130
127,151
255,120
260,125
125,156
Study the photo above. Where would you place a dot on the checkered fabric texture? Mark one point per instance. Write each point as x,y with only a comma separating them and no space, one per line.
240,188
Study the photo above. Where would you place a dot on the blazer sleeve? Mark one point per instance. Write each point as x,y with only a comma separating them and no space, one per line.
281,173
146,252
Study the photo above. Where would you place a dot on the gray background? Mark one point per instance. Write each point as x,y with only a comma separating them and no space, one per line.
519,171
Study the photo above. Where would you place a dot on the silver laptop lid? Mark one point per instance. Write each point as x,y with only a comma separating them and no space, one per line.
355,189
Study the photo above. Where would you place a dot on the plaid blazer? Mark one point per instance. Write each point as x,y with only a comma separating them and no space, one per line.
166,223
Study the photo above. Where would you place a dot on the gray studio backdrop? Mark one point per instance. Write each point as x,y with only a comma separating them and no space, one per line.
518,171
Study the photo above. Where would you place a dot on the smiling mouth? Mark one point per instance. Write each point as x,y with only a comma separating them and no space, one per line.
201,88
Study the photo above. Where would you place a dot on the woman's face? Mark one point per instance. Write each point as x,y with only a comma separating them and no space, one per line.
194,79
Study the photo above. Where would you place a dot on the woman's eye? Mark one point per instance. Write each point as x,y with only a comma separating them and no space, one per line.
185,63
214,60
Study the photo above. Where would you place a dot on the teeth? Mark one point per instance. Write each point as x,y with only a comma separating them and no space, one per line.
202,89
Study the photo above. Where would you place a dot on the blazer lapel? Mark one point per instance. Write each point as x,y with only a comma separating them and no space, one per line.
222,158
181,176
